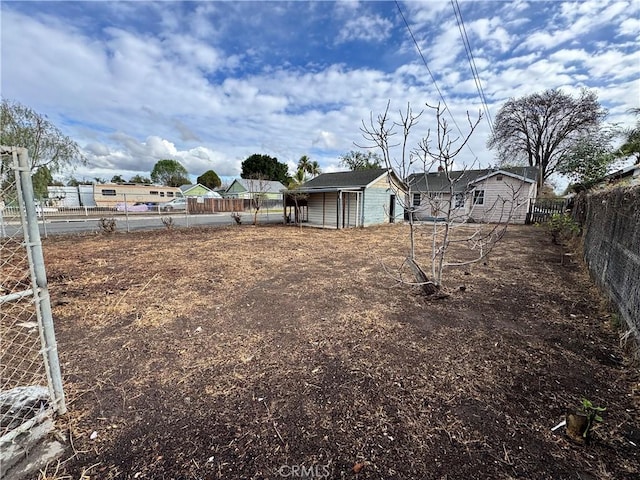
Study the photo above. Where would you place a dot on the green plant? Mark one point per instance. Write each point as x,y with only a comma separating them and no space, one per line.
592,413
562,227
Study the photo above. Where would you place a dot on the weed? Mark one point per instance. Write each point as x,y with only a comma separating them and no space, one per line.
107,225
562,228
168,222
592,413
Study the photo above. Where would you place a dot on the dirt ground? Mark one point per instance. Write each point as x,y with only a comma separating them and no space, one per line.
272,352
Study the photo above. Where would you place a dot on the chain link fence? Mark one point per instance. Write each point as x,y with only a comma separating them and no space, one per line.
611,224
30,380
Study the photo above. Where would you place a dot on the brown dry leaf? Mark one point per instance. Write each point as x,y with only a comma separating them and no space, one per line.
358,467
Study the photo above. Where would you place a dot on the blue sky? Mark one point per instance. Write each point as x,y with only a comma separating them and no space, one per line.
210,83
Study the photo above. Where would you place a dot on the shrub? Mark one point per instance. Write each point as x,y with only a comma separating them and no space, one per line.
168,222
562,228
107,225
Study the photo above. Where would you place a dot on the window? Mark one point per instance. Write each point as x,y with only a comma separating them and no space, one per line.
459,199
153,192
169,194
499,178
478,197
162,194
108,192
416,199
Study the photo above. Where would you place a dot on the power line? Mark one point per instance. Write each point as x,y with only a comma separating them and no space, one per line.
424,61
472,61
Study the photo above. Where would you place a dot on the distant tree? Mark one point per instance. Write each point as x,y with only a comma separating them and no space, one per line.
73,182
170,173
304,164
314,169
20,126
631,145
540,129
294,184
298,179
209,179
139,179
41,179
361,161
589,159
547,191
98,180
266,168
117,179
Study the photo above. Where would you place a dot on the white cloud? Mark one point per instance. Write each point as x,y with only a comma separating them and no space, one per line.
630,27
132,97
574,20
490,33
368,28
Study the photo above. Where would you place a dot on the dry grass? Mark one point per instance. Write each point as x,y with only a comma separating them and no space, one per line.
226,353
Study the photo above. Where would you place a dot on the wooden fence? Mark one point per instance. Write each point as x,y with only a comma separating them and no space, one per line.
213,205
541,209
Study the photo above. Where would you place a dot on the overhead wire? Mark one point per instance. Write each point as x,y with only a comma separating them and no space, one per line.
472,61
433,79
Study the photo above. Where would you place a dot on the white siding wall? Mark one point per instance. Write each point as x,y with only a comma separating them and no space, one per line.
437,206
315,207
377,202
500,196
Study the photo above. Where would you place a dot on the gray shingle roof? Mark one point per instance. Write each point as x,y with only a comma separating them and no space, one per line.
351,179
437,181
260,186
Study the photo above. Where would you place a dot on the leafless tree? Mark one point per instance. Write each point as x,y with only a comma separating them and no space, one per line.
258,188
437,150
540,129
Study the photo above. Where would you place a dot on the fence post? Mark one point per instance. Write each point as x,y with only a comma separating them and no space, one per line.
3,233
126,210
39,279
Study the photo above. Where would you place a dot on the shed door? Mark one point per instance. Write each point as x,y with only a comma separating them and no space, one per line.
392,208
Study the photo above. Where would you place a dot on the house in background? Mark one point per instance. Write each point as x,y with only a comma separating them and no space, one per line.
487,195
625,176
198,190
351,199
249,188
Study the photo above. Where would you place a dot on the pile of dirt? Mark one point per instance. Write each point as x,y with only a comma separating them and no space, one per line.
278,352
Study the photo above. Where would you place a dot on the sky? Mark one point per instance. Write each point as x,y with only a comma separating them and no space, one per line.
210,83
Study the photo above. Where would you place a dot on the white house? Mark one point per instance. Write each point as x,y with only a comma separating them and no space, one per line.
488,195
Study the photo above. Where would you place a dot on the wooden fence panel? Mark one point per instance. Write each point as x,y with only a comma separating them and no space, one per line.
214,205
541,209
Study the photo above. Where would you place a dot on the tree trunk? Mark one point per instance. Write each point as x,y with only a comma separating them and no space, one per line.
428,287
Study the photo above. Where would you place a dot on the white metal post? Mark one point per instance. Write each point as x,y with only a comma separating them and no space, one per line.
38,277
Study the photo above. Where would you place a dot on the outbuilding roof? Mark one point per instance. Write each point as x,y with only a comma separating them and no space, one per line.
343,180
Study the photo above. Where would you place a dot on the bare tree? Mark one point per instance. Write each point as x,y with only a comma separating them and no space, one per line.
541,128
258,191
437,150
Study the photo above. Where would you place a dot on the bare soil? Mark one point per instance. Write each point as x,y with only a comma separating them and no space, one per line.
272,352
